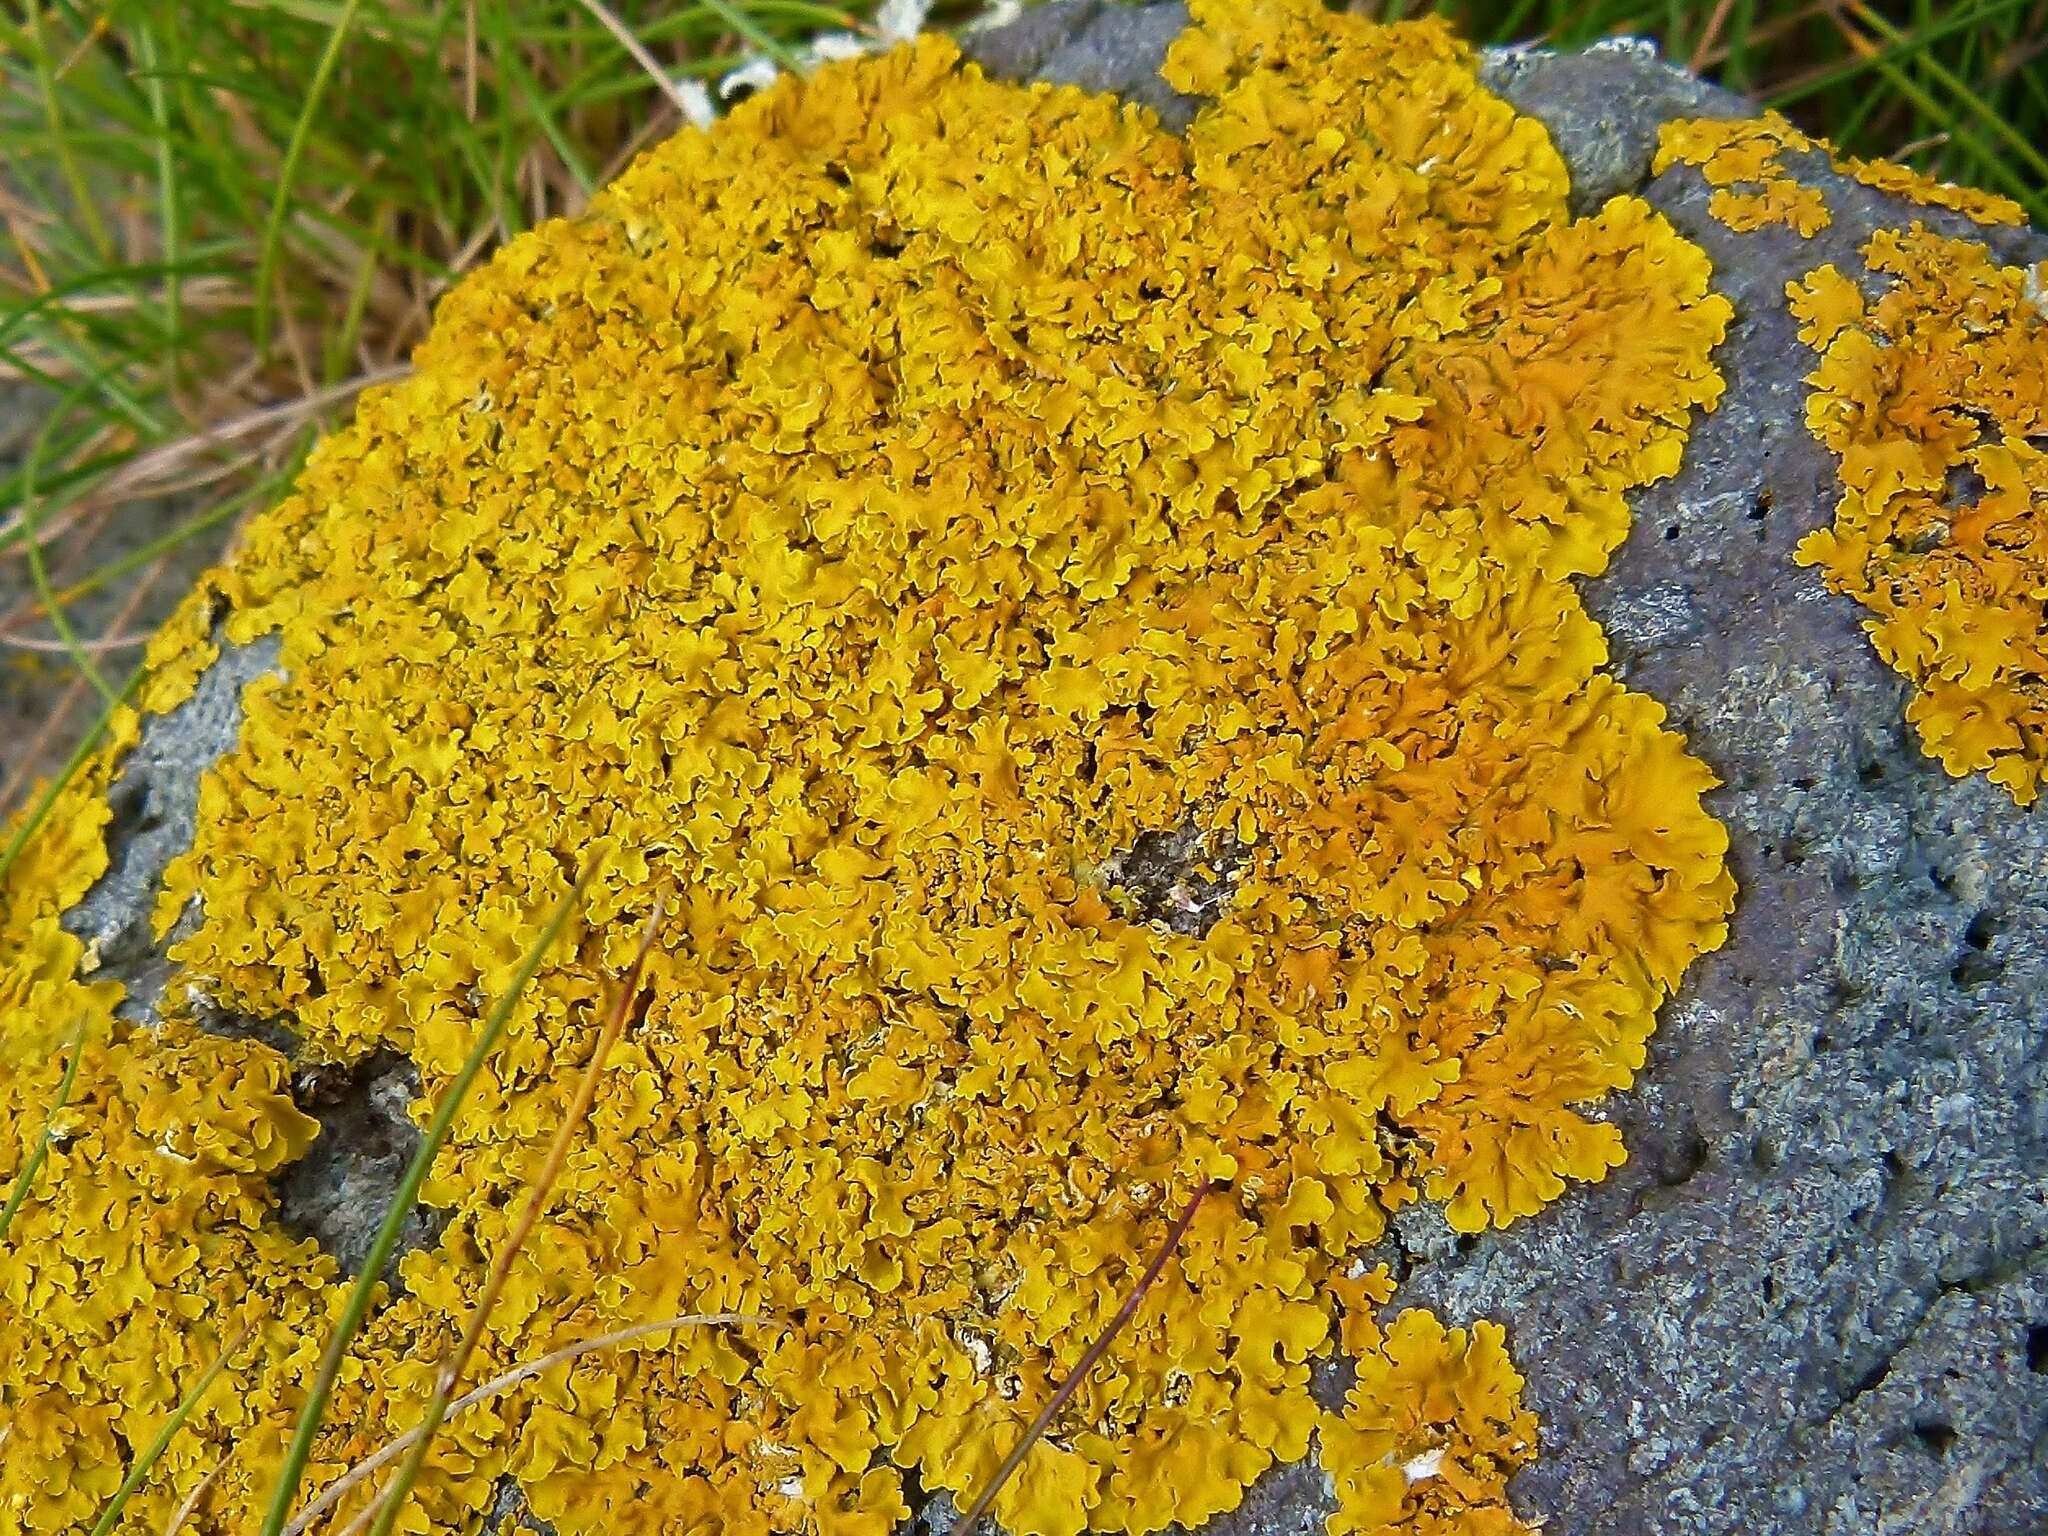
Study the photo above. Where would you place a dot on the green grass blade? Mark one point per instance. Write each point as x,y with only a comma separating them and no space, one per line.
33,1163
161,1440
2013,139
1921,98
169,208
736,18
39,812
87,204
295,149
143,554
536,104
538,1195
38,568
1961,20
403,1200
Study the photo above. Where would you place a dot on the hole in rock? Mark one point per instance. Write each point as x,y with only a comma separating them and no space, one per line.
1935,1436
1681,1158
1974,968
1182,879
1964,487
338,1192
134,813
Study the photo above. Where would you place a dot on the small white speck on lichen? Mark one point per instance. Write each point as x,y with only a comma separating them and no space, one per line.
698,108
1419,1469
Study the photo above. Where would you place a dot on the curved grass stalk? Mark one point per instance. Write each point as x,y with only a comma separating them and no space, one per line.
33,1163
525,1371
357,1307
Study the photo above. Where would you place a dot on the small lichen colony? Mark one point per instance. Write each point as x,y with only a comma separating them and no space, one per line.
1933,389
1935,395
873,518
1743,160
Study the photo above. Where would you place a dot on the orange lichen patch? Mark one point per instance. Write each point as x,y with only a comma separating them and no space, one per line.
1935,394
1919,187
863,527
1743,160
1432,1428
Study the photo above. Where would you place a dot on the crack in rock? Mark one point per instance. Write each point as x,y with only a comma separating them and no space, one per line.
338,1191
155,801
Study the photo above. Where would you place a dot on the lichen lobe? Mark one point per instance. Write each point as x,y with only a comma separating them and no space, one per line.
865,528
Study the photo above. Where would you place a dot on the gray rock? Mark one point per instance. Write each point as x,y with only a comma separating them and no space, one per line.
155,801
1098,45
1603,106
338,1191
1816,1297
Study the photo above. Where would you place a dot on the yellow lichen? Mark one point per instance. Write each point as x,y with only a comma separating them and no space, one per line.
1935,394
1919,187
1432,1428
871,519
1743,159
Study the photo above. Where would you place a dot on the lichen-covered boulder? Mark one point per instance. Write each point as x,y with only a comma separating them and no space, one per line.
1236,655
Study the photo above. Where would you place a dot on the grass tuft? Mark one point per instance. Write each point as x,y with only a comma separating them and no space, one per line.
242,214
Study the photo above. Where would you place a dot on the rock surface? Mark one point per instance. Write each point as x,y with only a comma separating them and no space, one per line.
1816,1298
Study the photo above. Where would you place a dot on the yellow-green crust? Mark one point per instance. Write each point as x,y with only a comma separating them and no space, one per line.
871,517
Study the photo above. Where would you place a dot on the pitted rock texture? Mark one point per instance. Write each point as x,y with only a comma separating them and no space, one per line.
337,1192
155,800
1816,1297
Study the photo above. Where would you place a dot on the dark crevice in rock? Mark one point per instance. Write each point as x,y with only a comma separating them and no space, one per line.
1992,1271
155,802
1682,1157
1934,1436
1181,879
338,1192
239,1026
932,1510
